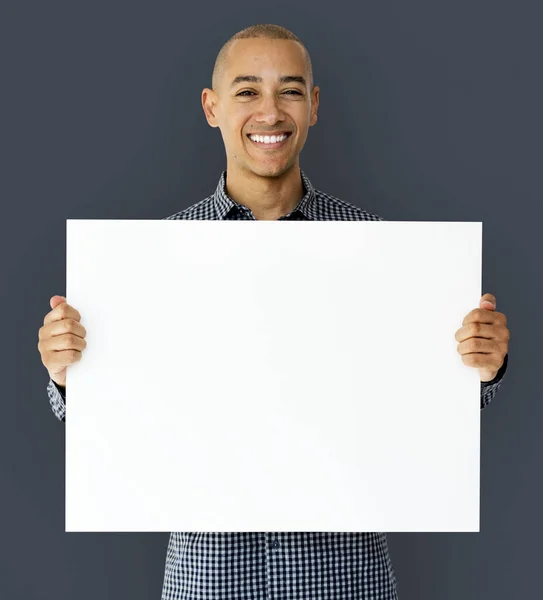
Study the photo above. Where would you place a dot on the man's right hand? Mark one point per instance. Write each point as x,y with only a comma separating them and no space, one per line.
61,339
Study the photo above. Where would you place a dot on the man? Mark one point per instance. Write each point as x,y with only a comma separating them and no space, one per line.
263,101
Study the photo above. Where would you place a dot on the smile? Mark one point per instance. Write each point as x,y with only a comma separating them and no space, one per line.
269,142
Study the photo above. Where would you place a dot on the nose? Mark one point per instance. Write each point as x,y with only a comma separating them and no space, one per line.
269,111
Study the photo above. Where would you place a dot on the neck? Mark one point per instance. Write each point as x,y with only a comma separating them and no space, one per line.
268,197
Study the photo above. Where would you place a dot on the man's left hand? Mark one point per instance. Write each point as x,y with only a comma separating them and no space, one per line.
484,338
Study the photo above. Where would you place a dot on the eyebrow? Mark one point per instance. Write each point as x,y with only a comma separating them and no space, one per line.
255,79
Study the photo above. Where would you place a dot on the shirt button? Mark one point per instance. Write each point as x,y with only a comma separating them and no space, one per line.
276,544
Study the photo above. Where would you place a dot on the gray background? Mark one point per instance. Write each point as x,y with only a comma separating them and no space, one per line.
430,111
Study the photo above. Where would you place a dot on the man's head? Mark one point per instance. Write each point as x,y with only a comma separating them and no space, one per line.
262,84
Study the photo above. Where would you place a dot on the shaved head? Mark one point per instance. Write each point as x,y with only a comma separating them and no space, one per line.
256,31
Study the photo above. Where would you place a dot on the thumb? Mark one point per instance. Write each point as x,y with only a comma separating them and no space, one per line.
56,300
488,301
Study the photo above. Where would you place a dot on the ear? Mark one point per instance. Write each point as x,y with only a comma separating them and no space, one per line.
314,105
209,104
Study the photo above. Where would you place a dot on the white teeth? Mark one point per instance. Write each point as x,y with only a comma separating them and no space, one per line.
266,139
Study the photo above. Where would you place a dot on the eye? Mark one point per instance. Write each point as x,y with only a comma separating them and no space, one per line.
296,92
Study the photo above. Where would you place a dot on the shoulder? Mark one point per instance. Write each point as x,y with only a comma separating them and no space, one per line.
328,207
204,209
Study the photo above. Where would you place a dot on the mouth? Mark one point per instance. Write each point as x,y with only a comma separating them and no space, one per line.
269,145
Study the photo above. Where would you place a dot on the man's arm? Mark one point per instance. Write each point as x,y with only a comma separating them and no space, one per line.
489,388
57,399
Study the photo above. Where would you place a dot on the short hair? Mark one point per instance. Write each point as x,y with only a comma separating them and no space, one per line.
269,31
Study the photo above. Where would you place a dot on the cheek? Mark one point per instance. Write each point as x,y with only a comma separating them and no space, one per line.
240,118
305,118
234,134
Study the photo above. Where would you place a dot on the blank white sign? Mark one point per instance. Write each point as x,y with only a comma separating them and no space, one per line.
272,376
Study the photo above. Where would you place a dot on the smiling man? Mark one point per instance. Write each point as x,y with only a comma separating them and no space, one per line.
263,101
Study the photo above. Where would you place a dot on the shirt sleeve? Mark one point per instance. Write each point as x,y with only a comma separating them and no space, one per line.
489,388
57,400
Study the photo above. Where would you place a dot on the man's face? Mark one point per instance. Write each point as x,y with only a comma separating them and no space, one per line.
266,106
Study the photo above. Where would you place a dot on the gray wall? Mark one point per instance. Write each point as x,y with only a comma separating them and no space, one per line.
430,111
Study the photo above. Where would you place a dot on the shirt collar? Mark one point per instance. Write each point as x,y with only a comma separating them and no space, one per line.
224,204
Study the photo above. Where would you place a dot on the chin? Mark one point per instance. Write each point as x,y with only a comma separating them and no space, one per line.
271,170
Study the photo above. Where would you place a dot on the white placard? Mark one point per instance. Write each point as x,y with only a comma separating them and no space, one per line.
272,376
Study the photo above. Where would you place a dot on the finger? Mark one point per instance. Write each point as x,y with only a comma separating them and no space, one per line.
476,329
479,361
491,299
56,300
61,327
483,316
58,360
62,311
59,343
477,346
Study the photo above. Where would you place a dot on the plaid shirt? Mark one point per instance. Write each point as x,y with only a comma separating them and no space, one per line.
277,565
